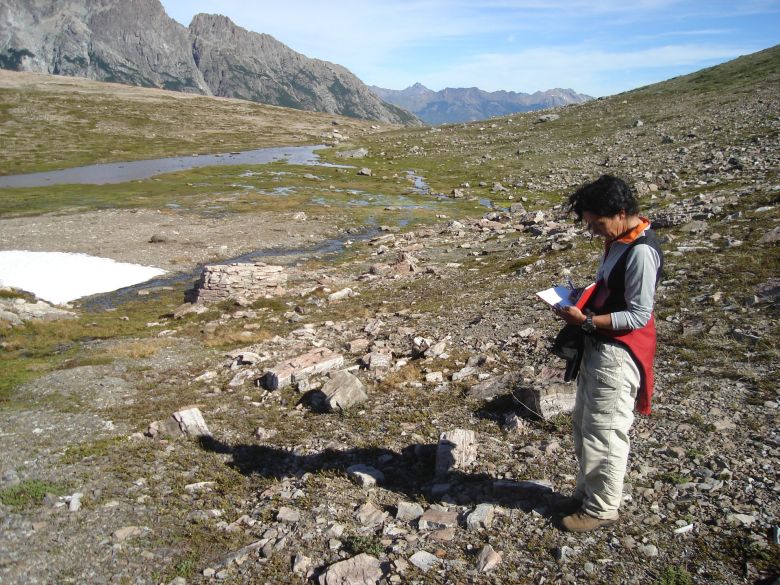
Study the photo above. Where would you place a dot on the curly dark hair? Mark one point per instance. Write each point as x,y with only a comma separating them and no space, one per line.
605,196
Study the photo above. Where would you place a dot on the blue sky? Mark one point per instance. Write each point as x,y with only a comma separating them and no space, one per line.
598,47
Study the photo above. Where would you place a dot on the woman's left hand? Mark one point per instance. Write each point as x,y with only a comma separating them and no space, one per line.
571,314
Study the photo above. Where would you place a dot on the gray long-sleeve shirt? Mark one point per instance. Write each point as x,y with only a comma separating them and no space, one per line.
642,264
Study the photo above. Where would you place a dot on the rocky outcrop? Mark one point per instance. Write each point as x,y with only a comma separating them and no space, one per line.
16,311
132,42
465,104
136,43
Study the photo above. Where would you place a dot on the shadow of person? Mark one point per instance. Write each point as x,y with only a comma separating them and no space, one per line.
410,472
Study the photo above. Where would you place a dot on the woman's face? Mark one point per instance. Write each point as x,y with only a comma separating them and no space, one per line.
608,227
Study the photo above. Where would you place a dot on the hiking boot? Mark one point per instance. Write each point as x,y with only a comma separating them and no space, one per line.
583,522
567,505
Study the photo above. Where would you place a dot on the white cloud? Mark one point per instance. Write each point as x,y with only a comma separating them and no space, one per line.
614,44
593,71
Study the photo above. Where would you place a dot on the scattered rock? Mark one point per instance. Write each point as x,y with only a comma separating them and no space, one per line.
547,400
188,422
438,519
648,550
457,449
365,475
362,569
424,561
492,388
341,295
488,559
408,511
481,517
317,361
127,532
288,515
356,153
343,390
369,515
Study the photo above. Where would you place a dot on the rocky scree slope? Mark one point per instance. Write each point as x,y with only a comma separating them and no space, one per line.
136,43
271,496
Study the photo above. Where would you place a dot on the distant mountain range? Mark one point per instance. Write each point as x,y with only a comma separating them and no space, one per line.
136,43
453,105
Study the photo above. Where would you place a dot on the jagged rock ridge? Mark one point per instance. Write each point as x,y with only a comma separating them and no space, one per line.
132,42
273,73
136,43
453,105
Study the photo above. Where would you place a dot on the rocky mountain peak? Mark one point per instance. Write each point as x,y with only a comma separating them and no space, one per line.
135,42
463,104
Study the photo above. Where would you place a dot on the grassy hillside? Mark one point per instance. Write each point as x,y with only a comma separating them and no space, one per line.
647,131
51,122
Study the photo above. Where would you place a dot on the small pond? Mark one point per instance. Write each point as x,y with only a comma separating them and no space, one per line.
122,172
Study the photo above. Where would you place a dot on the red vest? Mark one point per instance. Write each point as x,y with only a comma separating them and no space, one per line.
639,342
641,345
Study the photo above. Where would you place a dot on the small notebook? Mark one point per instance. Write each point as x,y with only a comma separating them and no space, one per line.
561,295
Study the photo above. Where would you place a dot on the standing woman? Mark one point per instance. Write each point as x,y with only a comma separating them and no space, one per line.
618,347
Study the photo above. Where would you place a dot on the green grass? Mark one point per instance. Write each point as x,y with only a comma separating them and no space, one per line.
92,449
28,494
53,123
39,347
675,576
356,545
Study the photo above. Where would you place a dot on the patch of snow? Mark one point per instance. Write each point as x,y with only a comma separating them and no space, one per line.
61,277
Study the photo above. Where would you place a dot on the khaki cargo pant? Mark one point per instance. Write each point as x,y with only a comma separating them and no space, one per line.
603,414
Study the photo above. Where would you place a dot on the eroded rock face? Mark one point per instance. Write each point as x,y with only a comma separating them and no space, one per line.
273,73
127,41
135,42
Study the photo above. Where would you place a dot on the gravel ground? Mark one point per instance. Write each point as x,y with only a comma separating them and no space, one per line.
183,240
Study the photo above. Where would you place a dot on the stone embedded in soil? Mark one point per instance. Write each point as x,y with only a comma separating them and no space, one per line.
481,517
199,487
289,515
369,515
457,449
424,560
17,311
408,511
547,400
488,559
362,569
188,422
365,475
191,422
128,532
343,390
341,295
463,373
316,361
437,519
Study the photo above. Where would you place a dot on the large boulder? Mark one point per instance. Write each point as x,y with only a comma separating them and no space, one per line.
343,391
